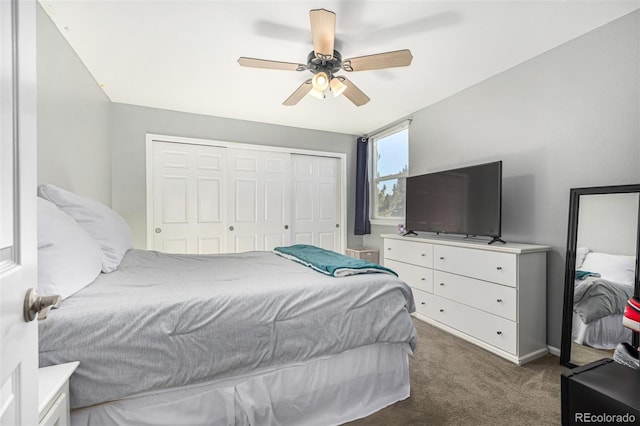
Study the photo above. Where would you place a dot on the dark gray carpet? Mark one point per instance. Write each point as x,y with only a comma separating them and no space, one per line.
454,382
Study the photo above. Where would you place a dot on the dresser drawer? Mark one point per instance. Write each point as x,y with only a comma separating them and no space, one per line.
493,298
423,301
492,329
416,276
485,265
414,252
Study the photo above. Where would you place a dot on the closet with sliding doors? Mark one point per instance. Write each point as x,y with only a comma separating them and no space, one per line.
207,197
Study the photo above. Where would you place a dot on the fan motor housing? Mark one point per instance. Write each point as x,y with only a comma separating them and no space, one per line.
331,66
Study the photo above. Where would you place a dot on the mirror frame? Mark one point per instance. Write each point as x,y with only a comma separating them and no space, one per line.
570,262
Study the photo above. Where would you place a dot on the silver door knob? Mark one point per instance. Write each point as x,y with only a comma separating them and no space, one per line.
36,304
158,230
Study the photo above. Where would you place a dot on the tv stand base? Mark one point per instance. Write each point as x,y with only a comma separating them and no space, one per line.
496,240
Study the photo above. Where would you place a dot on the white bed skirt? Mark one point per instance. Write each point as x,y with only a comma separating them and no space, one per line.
604,333
325,391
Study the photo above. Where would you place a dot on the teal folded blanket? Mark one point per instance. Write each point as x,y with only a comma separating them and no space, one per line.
329,262
581,275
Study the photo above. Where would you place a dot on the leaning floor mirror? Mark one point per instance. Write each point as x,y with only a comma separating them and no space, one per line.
601,274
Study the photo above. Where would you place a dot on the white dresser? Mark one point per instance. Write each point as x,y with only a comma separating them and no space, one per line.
491,295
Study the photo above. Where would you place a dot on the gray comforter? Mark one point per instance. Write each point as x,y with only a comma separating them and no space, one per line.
595,298
164,320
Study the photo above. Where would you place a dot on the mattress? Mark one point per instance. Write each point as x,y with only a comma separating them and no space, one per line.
163,320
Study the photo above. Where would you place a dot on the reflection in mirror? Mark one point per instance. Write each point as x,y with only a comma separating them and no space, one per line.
605,273
601,273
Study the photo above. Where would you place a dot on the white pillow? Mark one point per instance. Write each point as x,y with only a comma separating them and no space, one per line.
611,267
68,258
107,227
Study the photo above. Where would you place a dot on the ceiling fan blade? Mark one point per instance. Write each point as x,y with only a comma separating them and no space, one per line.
397,58
323,32
299,93
272,65
352,92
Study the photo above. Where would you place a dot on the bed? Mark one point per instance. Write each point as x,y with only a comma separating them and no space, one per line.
604,283
235,339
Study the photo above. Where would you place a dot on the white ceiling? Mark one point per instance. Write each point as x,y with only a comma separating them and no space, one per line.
182,55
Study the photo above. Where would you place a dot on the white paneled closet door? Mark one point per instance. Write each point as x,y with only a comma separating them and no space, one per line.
316,217
258,203
189,193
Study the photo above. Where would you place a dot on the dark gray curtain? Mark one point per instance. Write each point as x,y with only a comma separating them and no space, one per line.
362,224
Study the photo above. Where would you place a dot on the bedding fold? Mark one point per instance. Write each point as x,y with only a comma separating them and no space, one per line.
595,298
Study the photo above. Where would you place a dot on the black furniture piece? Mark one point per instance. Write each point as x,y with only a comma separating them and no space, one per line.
602,392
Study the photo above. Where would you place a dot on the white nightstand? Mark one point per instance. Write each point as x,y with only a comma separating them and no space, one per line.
53,394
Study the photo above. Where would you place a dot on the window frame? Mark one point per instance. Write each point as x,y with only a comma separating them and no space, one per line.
373,205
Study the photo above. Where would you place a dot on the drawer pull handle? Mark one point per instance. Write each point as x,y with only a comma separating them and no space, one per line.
423,255
499,268
423,279
499,333
388,248
441,310
441,257
423,303
499,300
442,284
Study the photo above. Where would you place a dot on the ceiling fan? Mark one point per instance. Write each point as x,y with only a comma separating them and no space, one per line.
324,62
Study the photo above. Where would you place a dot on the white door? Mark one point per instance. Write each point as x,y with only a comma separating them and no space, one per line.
18,221
258,203
189,195
316,217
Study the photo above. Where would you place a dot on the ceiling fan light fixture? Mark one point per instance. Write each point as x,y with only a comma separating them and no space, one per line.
320,81
317,93
337,87
324,61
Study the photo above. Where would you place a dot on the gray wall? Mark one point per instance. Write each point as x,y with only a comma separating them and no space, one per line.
73,118
608,223
130,124
567,118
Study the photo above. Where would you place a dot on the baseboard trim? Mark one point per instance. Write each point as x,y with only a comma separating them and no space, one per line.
553,350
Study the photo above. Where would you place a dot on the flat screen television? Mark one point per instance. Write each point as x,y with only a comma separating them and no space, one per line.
466,201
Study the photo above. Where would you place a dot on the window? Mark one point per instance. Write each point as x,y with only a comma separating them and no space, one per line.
390,166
